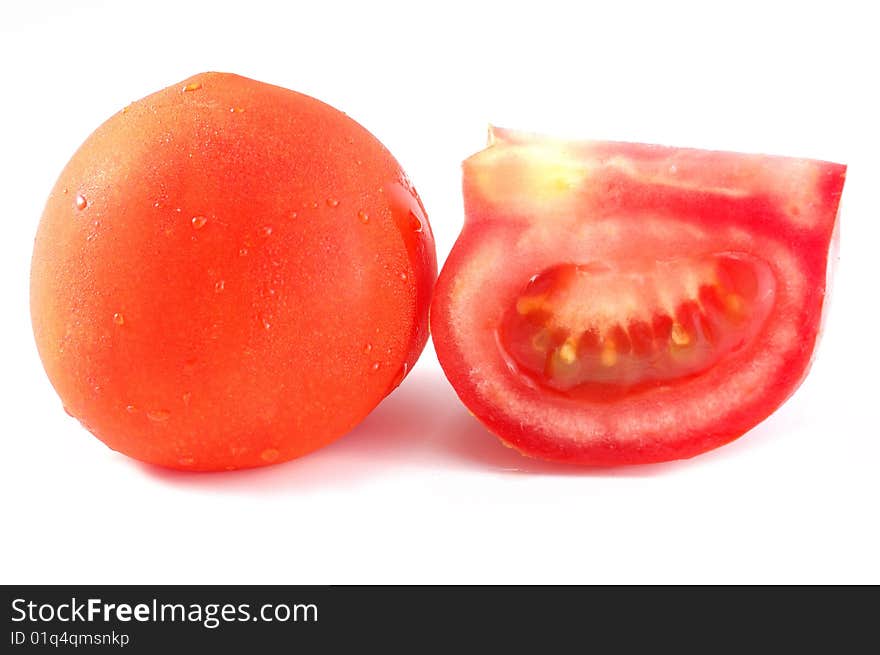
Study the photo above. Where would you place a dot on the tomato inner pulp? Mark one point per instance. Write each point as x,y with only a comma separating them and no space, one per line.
596,330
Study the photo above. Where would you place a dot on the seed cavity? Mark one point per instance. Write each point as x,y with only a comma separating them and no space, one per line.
585,328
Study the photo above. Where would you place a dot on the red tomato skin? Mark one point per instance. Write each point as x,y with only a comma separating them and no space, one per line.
229,274
761,213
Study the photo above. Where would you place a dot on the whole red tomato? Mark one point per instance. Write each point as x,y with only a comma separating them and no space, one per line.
614,303
229,274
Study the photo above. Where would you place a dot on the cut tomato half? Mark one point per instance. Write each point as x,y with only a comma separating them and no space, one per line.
614,303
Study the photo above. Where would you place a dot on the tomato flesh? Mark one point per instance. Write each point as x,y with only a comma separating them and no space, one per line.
612,303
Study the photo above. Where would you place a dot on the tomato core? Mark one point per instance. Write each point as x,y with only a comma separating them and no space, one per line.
595,330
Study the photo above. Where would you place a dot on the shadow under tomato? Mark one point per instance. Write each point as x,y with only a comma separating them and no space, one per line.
421,426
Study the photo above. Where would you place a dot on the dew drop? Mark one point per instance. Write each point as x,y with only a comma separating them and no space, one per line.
368,348
293,214
403,277
269,455
118,318
131,409
414,222
158,415
219,285
80,201
68,412
186,397
332,202
375,366
236,110
363,217
64,190
267,230
192,86
243,252
401,373
266,323
314,205
198,222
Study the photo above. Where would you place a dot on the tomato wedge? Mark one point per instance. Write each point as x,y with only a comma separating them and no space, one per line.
615,303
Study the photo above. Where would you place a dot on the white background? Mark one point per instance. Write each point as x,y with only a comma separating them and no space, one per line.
419,492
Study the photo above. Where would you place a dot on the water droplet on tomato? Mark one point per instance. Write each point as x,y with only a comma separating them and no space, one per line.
64,191
80,201
243,252
363,217
403,277
118,318
375,366
267,230
332,202
414,222
368,348
219,285
401,373
266,323
198,222
236,110
293,214
269,455
192,86
131,409
67,411
158,415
